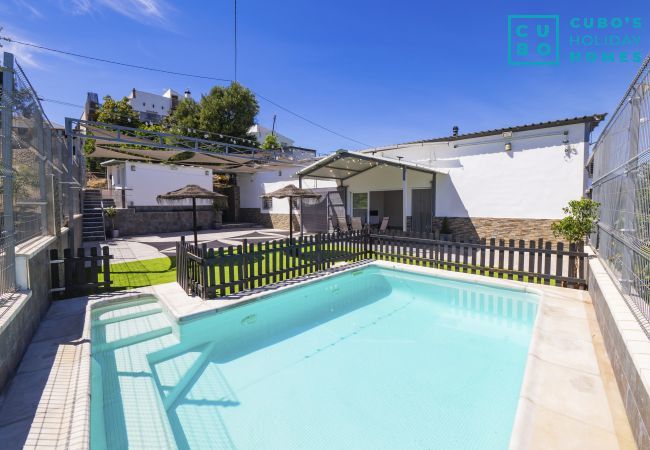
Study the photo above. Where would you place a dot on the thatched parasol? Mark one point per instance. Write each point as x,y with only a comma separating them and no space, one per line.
192,191
291,192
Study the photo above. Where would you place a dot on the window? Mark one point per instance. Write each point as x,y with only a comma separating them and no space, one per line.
144,104
360,205
267,203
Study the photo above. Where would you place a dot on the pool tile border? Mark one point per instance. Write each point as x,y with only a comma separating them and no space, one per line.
538,422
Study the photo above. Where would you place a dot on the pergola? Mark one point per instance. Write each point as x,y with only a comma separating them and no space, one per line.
133,144
344,165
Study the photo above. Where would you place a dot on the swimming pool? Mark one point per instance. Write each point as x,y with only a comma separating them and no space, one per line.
370,358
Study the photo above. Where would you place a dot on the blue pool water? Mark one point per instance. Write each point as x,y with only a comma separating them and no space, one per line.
374,358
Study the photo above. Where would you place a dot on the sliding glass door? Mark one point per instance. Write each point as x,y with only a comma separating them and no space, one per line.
360,205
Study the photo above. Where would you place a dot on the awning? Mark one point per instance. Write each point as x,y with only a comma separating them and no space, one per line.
345,164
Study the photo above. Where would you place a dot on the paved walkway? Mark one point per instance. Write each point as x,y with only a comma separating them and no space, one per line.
136,248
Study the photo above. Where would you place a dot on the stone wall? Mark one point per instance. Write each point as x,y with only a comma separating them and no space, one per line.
279,221
627,347
164,219
24,312
475,228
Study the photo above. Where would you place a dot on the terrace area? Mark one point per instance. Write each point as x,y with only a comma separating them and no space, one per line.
163,326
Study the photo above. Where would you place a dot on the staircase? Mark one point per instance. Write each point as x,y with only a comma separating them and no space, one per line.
93,220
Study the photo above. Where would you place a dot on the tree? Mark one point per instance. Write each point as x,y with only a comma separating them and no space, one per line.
228,110
581,220
271,143
118,113
113,112
184,119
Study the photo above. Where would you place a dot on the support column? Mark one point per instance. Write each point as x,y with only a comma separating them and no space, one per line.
433,200
69,163
50,188
42,179
8,230
300,199
404,199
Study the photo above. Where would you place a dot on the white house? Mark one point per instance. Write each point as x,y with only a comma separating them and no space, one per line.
260,132
154,107
140,183
506,183
275,212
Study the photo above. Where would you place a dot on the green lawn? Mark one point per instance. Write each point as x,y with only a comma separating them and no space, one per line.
142,273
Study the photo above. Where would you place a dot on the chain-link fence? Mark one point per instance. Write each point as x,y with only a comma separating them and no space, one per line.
40,181
621,183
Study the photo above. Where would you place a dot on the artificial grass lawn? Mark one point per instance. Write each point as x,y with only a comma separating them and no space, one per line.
150,272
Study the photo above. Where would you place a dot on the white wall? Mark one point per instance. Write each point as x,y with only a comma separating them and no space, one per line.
253,186
261,132
534,180
148,181
150,103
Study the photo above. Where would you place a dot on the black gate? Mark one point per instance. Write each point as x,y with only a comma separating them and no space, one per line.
81,273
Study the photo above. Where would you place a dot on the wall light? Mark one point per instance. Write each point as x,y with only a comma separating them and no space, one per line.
508,146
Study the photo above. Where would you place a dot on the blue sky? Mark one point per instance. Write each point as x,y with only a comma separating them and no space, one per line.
378,71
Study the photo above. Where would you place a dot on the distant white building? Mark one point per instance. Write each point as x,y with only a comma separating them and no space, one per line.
260,132
153,107
140,183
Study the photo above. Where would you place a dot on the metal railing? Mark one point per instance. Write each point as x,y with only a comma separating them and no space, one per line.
621,184
40,180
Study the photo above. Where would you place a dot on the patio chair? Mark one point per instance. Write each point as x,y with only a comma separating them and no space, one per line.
384,224
342,224
356,224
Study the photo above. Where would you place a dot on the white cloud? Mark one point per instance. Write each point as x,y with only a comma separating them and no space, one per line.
29,7
140,10
26,56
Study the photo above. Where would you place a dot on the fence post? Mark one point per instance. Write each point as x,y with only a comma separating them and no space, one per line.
8,232
106,260
204,272
318,251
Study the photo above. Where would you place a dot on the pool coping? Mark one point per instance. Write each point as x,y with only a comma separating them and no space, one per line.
562,323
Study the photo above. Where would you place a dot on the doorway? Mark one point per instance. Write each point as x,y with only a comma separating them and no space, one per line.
421,216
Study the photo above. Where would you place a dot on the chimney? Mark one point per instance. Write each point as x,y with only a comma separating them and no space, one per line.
133,93
187,94
454,131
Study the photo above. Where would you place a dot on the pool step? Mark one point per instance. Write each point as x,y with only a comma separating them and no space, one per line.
130,312
170,397
116,334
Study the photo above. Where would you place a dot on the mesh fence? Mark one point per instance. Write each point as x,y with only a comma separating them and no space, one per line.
621,183
39,180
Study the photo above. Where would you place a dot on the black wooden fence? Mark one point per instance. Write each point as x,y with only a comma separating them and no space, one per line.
533,261
212,273
81,273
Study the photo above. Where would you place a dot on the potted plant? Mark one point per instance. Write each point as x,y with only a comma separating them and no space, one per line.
219,205
581,219
110,214
445,230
